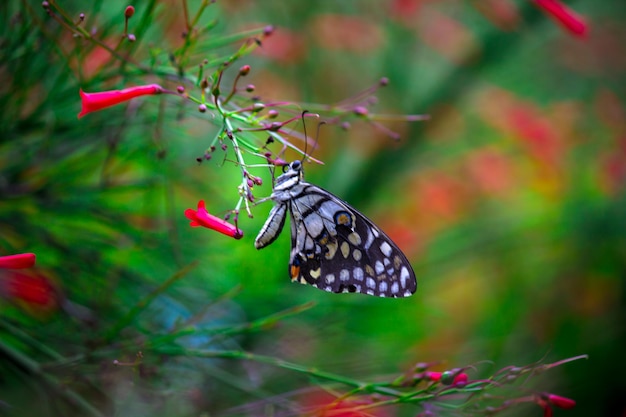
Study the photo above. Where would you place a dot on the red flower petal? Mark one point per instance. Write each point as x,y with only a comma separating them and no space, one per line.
202,218
564,15
97,101
460,379
433,376
19,261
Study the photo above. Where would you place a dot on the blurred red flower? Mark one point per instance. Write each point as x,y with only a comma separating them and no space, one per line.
32,289
491,170
97,101
201,217
447,36
565,16
284,46
322,403
526,122
504,14
347,33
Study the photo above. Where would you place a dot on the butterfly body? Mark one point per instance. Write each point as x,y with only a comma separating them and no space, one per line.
333,246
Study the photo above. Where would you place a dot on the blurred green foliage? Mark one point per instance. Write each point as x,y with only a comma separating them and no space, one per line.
510,201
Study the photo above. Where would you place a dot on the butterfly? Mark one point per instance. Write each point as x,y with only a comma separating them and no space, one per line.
333,246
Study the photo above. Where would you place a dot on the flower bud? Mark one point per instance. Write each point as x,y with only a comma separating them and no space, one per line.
268,30
243,71
275,126
202,108
360,111
129,12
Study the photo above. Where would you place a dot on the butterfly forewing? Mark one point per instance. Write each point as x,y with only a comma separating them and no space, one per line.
333,246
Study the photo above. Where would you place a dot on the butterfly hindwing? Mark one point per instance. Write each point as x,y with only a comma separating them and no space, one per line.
337,249
333,246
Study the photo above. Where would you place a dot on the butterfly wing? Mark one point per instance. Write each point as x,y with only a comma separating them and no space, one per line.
337,249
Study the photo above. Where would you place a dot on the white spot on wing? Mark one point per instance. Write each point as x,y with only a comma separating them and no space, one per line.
356,254
379,267
344,275
358,274
404,275
370,239
394,288
330,278
370,282
385,248
382,287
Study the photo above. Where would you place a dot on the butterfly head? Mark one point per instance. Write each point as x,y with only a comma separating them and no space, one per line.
295,168
292,175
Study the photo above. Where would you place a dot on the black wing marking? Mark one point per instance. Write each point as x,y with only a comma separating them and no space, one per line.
341,250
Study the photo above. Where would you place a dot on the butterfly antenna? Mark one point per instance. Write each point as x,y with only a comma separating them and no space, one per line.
306,138
317,135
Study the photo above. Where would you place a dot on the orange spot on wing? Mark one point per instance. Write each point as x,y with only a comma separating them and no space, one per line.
294,271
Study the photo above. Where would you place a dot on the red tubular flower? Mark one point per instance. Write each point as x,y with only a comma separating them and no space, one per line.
97,101
561,402
562,14
201,217
546,401
19,261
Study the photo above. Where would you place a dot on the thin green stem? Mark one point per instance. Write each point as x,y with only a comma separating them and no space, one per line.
310,371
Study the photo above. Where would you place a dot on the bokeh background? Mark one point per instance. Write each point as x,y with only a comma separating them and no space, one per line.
510,202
